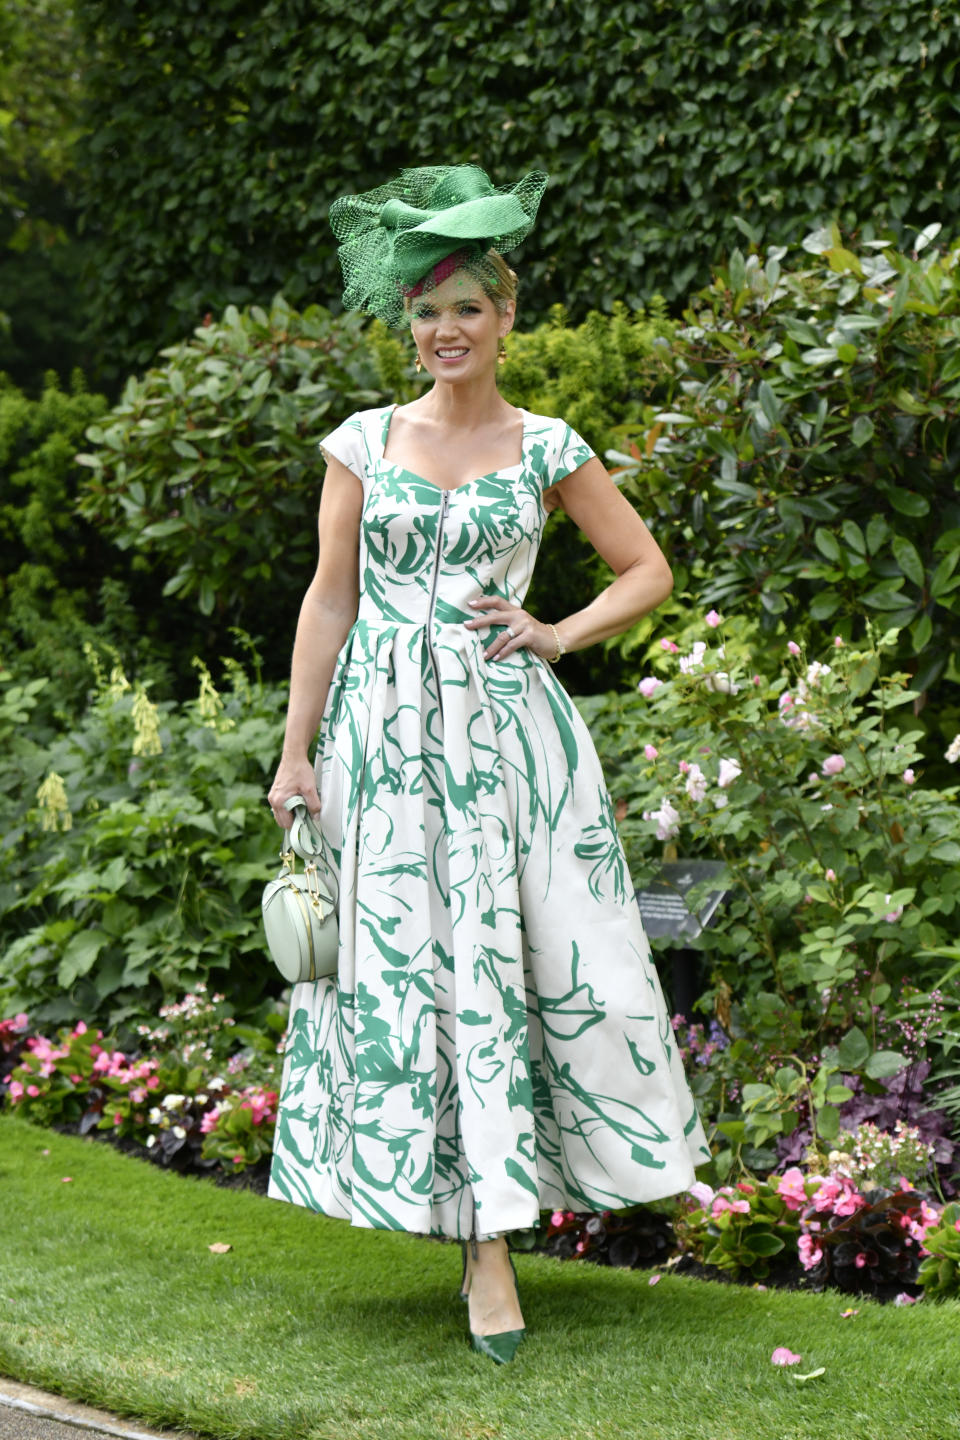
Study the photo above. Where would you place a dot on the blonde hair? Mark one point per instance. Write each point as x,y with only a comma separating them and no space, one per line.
504,288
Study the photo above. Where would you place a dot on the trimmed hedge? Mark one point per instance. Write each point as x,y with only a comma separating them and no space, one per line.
660,123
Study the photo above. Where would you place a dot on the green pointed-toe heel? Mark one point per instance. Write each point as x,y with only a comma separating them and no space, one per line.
502,1347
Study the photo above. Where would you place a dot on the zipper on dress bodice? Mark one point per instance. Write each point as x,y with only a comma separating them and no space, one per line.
437,556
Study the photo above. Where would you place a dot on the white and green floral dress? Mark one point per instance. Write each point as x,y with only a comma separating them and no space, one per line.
496,1042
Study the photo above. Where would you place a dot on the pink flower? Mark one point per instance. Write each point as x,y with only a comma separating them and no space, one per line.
793,647
556,1219
118,1118
834,765
723,1203
654,1279
860,1259
669,646
581,1246
712,619
703,1194
667,818
209,1122
830,875
16,1090
684,767
648,685
791,1189
904,1299
908,777
650,752
838,642
956,1224
696,786
66,1179
756,679
33,1091
783,1356
810,1252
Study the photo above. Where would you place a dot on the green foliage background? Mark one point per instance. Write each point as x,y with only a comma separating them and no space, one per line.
660,123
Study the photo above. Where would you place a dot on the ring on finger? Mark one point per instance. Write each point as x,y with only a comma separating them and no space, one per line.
511,632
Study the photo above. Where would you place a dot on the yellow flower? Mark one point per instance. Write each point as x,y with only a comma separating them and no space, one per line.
146,729
52,795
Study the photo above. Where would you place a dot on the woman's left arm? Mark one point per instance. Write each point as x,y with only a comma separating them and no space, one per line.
615,530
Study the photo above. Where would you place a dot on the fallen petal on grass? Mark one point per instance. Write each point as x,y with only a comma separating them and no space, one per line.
783,1356
218,1248
812,1376
848,1314
654,1279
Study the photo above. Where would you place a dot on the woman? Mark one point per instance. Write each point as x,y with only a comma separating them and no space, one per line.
496,1041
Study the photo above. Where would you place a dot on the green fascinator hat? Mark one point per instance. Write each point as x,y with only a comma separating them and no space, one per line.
393,238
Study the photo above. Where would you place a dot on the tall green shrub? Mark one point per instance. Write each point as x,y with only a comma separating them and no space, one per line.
659,123
803,448
60,584
208,470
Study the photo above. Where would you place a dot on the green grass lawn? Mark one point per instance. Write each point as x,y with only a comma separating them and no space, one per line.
309,1328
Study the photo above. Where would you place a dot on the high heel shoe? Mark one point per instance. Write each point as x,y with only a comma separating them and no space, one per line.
502,1347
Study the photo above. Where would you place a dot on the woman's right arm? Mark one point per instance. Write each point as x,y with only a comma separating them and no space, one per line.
329,609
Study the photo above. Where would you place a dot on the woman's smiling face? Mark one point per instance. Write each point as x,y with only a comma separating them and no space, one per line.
457,328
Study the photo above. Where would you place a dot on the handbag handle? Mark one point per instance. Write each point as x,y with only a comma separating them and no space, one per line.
303,837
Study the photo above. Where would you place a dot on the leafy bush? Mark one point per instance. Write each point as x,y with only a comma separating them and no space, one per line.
138,870
804,437
60,585
208,470
809,789
658,122
41,255
740,1227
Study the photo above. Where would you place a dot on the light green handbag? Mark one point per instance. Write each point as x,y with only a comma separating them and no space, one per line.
300,911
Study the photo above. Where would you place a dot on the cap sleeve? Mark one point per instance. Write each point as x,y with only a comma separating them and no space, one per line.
347,445
568,452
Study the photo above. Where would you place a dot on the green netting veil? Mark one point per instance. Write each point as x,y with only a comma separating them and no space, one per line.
393,237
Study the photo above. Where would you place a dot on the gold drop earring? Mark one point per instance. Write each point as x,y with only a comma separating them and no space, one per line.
502,352
418,363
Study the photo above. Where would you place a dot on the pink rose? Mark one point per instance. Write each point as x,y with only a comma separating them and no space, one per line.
908,777
669,646
793,647
830,875
838,642
648,685
650,752
713,619
834,765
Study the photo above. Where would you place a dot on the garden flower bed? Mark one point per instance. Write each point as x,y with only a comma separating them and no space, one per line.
201,1096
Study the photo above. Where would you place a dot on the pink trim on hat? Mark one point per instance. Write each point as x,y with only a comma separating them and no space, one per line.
440,272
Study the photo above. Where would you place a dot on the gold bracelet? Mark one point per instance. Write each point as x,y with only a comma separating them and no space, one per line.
561,648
